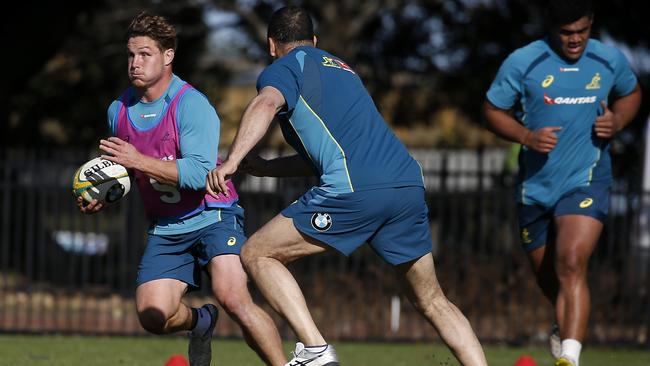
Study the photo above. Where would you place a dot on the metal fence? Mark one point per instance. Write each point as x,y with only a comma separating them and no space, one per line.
65,272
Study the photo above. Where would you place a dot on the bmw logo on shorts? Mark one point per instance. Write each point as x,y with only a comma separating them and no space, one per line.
321,221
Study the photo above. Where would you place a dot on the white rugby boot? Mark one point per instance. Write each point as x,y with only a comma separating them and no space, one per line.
304,357
555,342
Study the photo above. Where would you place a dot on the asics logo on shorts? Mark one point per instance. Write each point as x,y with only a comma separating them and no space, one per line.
586,202
321,221
232,241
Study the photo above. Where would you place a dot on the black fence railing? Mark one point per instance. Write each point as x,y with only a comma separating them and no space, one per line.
65,272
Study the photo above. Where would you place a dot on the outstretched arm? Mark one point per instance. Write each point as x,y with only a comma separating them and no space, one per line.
255,122
284,166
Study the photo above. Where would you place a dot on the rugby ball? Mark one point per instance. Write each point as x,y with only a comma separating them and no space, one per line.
102,180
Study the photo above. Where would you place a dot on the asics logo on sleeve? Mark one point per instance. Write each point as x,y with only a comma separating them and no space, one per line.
586,202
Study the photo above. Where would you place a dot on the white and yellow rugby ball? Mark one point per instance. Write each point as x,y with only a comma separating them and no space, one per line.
102,180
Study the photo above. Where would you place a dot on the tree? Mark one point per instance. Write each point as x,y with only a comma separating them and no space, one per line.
68,63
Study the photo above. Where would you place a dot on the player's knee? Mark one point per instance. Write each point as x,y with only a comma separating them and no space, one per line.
153,320
433,303
570,267
249,254
246,256
235,304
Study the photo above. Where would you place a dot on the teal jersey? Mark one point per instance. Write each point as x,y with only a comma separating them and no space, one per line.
332,122
550,91
198,129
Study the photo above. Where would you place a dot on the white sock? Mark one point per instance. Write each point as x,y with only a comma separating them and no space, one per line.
572,348
316,349
203,320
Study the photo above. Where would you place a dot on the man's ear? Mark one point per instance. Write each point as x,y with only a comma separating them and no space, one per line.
315,40
273,48
169,56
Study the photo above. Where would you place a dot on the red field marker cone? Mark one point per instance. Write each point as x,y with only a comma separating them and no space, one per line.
177,360
525,361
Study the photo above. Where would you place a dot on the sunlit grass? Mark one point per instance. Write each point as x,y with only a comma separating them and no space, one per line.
154,351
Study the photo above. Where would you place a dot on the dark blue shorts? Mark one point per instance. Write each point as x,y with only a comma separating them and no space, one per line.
182,256
394,221
536,223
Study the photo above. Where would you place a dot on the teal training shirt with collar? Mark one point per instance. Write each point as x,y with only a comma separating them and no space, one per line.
554,92
331,120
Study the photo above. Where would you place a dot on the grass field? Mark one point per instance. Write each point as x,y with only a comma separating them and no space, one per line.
154,351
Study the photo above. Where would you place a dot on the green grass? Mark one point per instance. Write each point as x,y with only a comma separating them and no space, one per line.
154,351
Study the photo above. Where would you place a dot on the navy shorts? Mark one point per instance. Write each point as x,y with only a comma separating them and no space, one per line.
536,223
393,221
182,256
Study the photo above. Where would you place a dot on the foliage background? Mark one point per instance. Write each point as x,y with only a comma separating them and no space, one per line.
426,63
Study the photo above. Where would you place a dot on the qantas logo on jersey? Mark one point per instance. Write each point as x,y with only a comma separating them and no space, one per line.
336,63
569,100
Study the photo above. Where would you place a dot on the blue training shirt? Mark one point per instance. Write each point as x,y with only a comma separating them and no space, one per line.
553,92
331,120
199,127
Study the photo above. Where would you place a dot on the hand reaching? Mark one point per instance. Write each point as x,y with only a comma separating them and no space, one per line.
215,182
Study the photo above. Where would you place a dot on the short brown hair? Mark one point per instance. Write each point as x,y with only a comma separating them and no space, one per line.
154,27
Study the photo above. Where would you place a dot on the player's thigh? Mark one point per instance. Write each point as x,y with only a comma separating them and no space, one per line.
224,237
419,281
404,233
577,236
536,231
280,239
161,295
229,281
342,222
541,258
579,217
170,257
